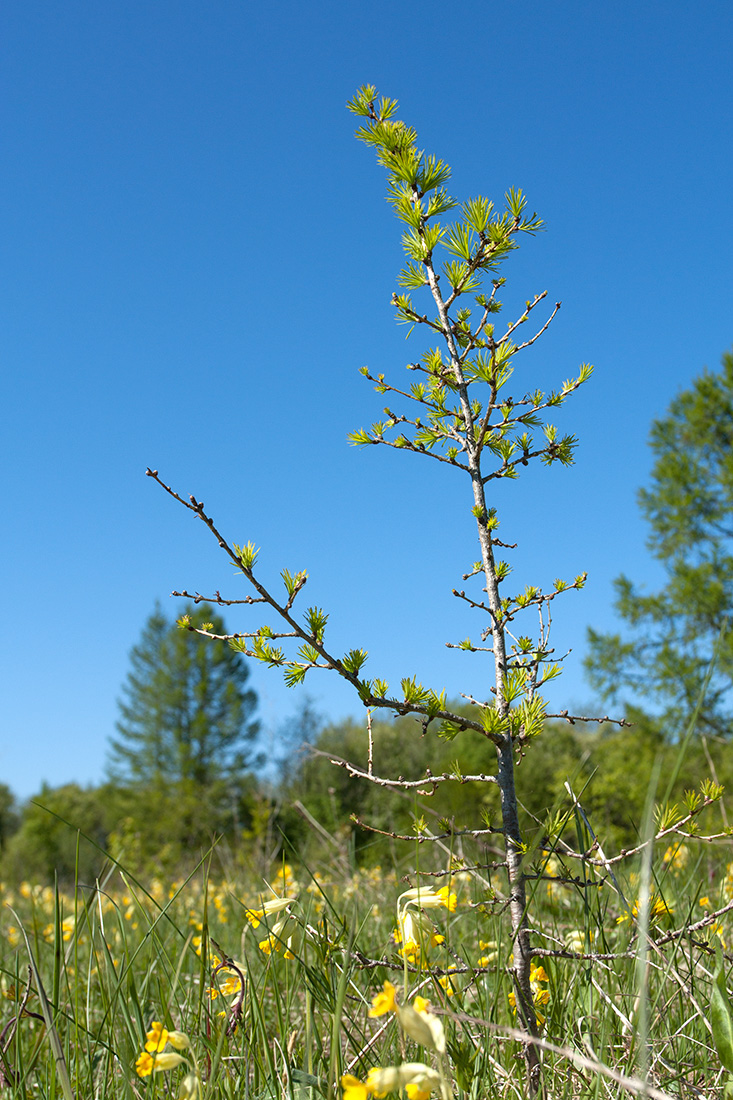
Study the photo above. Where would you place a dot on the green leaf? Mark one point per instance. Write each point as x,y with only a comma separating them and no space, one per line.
293,581
447,731
359,438
294,675
316,620
494,722
51,1032
247,555
354,660
412,691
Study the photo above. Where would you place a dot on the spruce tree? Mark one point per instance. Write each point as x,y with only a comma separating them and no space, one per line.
186,711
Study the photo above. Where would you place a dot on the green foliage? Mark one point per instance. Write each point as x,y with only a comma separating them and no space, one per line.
673,633
185,713
49,841
185,740
8,816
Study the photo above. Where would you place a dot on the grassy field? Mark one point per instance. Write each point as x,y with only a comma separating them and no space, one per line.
374,980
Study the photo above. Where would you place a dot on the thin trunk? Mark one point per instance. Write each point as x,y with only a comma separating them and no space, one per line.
522,954
522,951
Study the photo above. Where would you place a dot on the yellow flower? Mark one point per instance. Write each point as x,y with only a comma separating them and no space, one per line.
447,985
490,946
415,931
705,902
157,1038
676,857
276,905
540,995
148,1063
382,1080
384,1002
179,1040
190,1088
144,1065
450,901
422,1025
354,1089
414,1091
658,907
425,898
231,986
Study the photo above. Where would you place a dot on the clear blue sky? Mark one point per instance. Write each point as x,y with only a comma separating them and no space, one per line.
197,257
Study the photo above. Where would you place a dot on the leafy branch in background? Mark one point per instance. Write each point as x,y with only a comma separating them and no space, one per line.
458,412
673,633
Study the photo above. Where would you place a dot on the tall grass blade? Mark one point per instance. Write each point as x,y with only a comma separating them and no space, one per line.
53,1036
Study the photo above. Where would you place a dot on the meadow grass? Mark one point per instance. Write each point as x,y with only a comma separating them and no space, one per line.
267,997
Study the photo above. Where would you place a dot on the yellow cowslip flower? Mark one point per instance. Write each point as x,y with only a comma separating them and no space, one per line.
705,902
575,940
157,1038
274,942
416,933
230,987
144,1065
414,1092
190,1087
353,1088
450,900
447,985
275,905
658,907
422,1025
425,898
384,1079
540,995
676,857
148,1063
384,1002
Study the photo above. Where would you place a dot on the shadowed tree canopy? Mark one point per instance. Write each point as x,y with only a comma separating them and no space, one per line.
186,711
673,633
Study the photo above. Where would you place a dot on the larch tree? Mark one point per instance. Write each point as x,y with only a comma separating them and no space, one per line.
455,408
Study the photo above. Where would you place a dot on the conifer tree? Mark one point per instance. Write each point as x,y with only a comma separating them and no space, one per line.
185,711
672,633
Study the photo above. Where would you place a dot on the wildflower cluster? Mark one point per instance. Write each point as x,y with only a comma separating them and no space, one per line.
418,1080
415,933
540,993
156,1059
276,939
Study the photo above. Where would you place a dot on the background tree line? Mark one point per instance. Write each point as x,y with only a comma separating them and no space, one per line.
184,770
